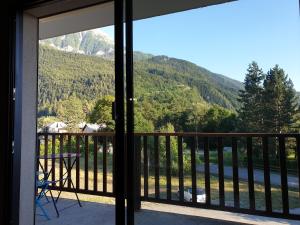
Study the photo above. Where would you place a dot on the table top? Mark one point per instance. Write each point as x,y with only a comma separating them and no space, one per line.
59,156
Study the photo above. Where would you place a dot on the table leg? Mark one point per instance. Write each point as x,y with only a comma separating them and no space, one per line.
69,178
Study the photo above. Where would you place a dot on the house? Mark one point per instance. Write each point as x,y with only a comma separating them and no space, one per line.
56,127
81,125
90,128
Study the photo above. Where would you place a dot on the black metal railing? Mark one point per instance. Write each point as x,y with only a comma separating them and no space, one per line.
168,164
89,166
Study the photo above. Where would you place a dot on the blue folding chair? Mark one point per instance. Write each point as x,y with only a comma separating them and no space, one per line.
43,186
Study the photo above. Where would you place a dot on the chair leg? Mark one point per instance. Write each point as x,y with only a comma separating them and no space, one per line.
59,193
44,192
54,203
75,193
42,209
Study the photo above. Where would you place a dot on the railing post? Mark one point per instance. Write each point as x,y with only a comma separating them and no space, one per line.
194,171
146,166
86,163
207,171
114,164
168,169
53,160
298,159
235,173
180,169
267,180
283,175
77,163
138,147
250,174
221,172
69,160
38,153
46,154
157,167
104,158
96,163
61,151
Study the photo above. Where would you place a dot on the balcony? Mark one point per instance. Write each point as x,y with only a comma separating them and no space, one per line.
235,171
152,213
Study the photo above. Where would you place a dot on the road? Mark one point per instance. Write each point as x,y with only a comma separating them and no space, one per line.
258,175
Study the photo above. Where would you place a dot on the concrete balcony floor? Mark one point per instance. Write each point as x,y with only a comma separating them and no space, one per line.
93,213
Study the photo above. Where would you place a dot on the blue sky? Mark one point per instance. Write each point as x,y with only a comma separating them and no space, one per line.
226,38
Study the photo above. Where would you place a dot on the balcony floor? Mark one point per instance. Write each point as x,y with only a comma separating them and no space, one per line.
151,214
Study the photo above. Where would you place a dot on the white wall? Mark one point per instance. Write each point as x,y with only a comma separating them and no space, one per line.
28,126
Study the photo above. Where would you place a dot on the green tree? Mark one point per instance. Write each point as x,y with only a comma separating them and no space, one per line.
250,113
70,111
102,112
141,124
279,101
218,119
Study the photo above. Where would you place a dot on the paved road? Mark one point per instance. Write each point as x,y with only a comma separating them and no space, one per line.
258,175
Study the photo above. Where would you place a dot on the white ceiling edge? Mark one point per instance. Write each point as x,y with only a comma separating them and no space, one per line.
102,15
76,21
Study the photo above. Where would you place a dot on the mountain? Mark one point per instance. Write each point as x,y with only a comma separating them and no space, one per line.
159,79
82,65
92,42
213,88
97,43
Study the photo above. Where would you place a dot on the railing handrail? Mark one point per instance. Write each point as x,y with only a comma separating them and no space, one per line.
183,134
109,133
148,156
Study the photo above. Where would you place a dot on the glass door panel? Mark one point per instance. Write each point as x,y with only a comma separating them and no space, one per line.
192,67
81,111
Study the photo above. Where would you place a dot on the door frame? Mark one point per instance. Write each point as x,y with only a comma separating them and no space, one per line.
6,99
21,81
119,152
130,142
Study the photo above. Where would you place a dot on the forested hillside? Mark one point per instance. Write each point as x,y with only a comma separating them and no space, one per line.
63,74
213,88
166,89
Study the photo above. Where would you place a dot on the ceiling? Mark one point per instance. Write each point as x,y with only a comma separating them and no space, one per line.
70,16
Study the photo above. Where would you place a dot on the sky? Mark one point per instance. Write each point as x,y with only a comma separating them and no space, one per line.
226,38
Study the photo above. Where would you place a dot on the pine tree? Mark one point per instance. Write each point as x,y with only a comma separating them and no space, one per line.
279,101
290,106
250,113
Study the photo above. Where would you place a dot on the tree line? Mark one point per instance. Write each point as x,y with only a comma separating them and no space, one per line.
75,88
269,102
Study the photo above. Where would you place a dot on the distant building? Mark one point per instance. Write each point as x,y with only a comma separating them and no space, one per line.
56,127
90,128
40,130
81,125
